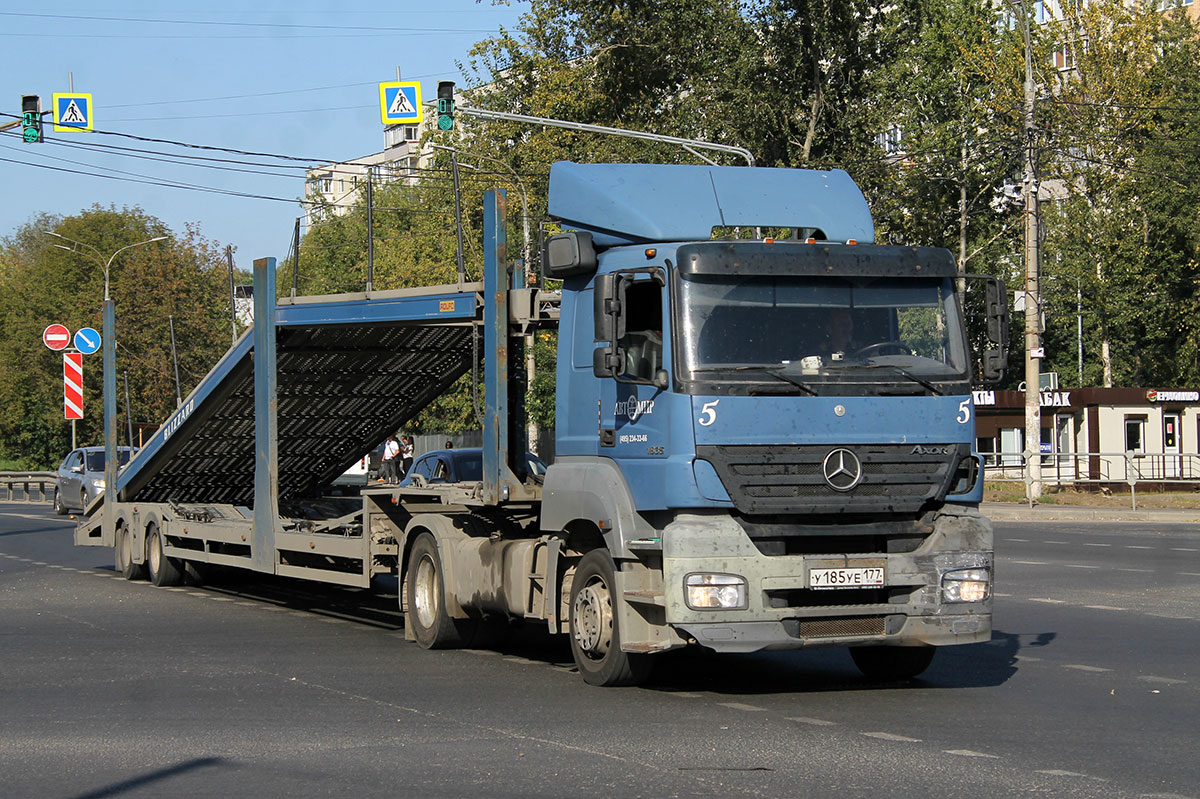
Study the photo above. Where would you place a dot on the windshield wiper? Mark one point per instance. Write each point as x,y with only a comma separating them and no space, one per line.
905,373
770,370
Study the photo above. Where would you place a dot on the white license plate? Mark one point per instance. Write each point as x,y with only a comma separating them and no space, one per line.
860,577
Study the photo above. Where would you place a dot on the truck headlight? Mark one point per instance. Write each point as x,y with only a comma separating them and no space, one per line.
715,591
97,482
966,585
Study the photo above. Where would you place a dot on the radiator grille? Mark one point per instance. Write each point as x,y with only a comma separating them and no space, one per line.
895,478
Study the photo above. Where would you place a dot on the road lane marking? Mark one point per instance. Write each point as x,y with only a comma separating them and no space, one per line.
1184,549
1162,680
969,753
1058,772
887,736
812,722
740,706
1057,542
1048,601
1018,540
1134,546
1140,571
1029,562
1081,667
1102,607
1189,574
1080,566
1097,545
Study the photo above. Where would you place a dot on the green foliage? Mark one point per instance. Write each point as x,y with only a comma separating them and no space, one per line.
183,277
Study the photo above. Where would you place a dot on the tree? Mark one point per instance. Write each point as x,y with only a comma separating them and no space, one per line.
183,277
1125,104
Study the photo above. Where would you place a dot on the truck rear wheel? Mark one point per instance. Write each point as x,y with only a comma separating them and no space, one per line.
432,627
596,629
163,570
892,662
123,555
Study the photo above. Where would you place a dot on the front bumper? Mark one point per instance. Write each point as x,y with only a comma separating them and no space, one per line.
781,612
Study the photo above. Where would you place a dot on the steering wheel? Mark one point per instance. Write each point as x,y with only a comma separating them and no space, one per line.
883,348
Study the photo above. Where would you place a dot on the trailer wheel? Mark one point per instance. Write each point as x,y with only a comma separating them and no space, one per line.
595,628
431,625
163,570
892,662
123,555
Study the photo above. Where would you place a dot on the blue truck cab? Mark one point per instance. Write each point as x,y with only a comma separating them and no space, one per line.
762,443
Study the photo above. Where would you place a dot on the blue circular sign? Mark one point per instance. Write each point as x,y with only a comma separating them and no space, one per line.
87,340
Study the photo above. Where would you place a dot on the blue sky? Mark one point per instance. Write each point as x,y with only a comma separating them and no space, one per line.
289,78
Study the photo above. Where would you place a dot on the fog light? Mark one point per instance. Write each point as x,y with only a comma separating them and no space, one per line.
715,591
966,585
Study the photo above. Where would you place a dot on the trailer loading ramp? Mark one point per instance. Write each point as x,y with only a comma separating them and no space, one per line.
350,369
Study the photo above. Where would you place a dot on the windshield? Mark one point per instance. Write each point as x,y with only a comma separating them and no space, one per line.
824,328
95,460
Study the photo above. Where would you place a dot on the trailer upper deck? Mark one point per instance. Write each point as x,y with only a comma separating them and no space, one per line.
350,369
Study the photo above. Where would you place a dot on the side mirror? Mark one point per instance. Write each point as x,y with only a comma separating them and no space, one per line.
609,317
994,359
77,469
997,312
568,254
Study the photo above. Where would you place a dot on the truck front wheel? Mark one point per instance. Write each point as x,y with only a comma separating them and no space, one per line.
596,629
431,625
892,662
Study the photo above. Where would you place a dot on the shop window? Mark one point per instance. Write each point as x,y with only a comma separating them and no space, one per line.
1135,433
1012,444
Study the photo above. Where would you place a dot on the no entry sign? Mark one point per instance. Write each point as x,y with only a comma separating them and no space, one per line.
72,385
56,337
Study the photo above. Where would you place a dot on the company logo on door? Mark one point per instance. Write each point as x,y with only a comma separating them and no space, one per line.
634,408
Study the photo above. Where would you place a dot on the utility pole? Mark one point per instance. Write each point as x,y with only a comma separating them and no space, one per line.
1033,370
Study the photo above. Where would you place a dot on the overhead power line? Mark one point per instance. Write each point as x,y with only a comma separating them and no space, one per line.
269,25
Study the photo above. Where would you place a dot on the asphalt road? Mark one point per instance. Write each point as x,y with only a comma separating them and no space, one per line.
111,688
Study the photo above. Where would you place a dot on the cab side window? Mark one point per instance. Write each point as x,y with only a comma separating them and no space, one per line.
643,339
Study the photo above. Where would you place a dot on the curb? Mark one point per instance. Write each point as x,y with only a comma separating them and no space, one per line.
1020,512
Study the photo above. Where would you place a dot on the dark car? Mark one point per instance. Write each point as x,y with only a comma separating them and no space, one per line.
80,477
459,466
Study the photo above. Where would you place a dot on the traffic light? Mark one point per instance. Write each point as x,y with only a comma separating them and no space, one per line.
31,118
445,104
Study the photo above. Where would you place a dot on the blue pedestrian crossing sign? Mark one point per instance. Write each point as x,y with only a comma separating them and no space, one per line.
400,102
87,340
72,111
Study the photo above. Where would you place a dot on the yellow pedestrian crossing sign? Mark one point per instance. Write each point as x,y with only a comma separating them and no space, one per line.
72,111
400,102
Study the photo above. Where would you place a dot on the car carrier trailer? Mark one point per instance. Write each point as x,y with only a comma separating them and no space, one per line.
723,479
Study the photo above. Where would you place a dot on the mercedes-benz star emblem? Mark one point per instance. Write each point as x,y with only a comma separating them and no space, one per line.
842,470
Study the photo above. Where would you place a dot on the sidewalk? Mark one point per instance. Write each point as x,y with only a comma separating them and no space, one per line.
1021,512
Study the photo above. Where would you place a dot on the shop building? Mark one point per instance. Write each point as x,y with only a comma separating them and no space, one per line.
1096,434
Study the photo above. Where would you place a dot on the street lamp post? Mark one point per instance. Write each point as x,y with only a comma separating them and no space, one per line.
110,366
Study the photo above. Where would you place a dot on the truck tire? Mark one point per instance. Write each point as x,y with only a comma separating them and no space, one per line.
432,627
596,629
123,555
892,662
164,571
59,507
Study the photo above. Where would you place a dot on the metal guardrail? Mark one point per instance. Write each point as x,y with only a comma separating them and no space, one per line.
1097,468
27,486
